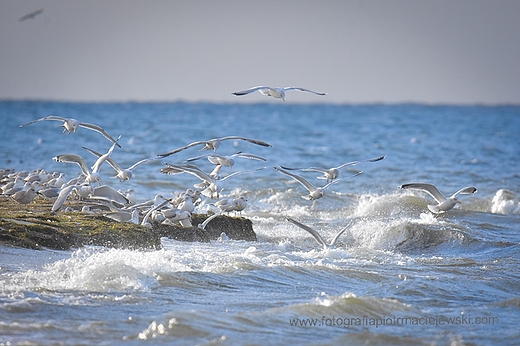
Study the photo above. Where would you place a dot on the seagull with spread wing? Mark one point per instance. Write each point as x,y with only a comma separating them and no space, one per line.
317,236
122,173
91,176
214,143
227,161
443,204
330,174
314,192
72,125
275,92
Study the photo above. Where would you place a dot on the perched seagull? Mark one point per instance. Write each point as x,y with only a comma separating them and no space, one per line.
91,177
278,93
314,192
228,205
156,201
49,192
214,143
31,15
130,196
317,236
25,196
330,174
227,161
71,125
186,204
122,173
124,216
444,204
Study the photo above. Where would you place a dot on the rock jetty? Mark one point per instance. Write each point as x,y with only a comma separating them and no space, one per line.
34,226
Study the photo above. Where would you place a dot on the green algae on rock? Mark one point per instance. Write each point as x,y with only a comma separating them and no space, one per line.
34,226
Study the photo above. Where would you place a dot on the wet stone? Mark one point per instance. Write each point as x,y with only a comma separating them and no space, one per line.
34,226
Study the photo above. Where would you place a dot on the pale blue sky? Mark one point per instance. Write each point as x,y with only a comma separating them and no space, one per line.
454,51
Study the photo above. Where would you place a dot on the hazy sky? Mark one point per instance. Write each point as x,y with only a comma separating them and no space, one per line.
454,51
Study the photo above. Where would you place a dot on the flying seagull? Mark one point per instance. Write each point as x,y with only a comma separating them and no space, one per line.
275,92
71,125
91,176
317,236
214,143
314,192
228,161
122,173
444,204
330,174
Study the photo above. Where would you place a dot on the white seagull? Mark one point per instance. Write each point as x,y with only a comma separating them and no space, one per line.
275,92
214,143
444,204
65,192
71,125
91,176
317,236
227,161
330,174
122,173
228,205
314,192
214,186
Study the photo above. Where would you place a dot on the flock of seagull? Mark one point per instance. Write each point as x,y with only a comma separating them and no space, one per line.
23,187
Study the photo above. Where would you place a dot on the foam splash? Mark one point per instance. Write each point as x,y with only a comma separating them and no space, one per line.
505,202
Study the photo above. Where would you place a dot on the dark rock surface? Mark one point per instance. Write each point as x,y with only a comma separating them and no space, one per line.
34,226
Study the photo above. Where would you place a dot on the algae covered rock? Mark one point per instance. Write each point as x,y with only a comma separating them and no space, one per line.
34,226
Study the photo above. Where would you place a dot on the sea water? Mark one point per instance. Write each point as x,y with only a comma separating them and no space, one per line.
398,275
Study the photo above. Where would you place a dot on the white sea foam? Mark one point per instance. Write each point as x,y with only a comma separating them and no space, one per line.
505,202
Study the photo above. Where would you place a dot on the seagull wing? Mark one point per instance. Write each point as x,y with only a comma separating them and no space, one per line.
217,159
50,117
338,180
291,168
429,188
465,191
73,158
62,197
197,157
315,234
205,223
110,160
97,165
348,164
336,237
249,156
175,151
110,194
250,90
299,179
193,170
250,140
304,90
100,130
241,172
375,159
315,169
131,168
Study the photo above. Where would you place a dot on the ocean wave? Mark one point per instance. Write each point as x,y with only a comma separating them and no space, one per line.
505,202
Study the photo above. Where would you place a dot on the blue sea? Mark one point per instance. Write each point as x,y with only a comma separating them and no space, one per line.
397,276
